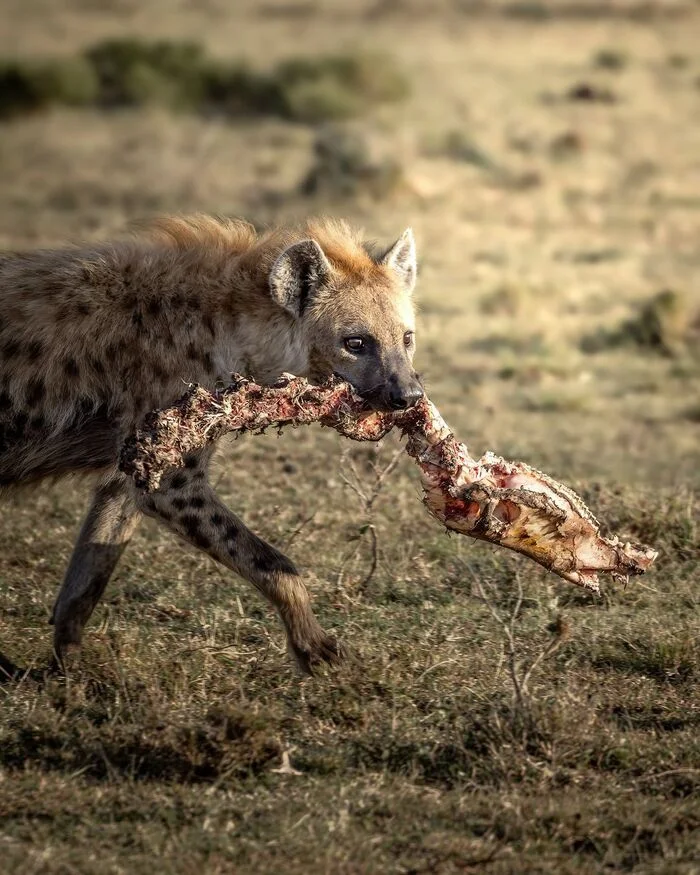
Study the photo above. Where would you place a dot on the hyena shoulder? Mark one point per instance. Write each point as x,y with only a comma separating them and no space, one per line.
92,337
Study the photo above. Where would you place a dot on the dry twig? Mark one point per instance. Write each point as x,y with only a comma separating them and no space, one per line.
367,495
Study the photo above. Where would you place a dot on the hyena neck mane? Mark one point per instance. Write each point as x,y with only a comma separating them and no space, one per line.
236,263
121,327
247,256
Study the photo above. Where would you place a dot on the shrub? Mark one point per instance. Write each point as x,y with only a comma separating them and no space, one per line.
662,324
133,72
320,100
460,147
328,88
179,75
17,92
30,86
588,92
566,145
665,324
345,166
71,81
236,90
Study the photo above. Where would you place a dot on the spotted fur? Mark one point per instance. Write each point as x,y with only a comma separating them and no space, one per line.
93,337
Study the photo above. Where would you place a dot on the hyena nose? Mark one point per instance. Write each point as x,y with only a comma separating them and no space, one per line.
403,397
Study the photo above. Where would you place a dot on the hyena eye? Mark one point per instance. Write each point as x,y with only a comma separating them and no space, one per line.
354,344
408,338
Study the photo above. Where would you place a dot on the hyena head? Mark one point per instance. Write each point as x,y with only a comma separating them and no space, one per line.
356,312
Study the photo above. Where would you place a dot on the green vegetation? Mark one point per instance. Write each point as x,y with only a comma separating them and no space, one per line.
460,147
337,87
345,166
30,86
132,73
180,76
610,59
666,324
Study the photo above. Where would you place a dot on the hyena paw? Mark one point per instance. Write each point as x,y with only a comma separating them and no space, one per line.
64,659
66,647
313,652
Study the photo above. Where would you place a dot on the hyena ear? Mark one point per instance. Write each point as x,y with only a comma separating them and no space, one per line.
297,275
401,257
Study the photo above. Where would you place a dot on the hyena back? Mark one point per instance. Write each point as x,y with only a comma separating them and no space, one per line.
93,338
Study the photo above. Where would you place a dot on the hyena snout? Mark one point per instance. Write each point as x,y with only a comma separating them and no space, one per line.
402,393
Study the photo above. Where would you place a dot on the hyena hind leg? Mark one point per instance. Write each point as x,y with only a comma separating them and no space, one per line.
188,506
108,527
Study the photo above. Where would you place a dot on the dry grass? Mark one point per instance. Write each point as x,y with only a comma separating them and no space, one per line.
165,750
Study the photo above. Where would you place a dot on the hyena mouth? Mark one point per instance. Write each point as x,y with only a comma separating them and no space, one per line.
369,395
343,379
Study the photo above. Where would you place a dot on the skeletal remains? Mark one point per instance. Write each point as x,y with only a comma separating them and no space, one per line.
505,503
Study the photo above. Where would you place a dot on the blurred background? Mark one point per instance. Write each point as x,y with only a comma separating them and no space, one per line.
547,155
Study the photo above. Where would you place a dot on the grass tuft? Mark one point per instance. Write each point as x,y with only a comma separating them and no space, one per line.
610,59
346,165
133,72
666,324
674,660
329,88
458,146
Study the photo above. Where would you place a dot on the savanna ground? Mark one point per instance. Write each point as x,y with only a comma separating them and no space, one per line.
548,160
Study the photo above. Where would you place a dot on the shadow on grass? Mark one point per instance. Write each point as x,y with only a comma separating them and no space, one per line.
653,718
9,672
672,661
225,741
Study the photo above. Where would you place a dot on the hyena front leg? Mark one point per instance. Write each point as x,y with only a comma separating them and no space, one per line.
188,506
107,529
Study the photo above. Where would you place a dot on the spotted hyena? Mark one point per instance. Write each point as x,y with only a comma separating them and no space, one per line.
92,338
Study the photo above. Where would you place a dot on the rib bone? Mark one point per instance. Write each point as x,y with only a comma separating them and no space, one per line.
506,503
